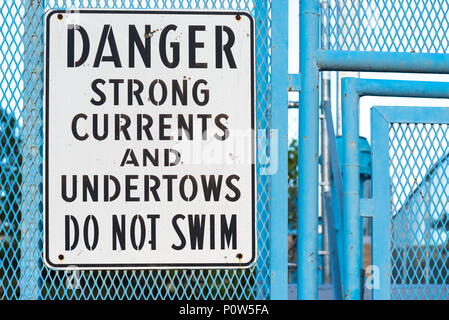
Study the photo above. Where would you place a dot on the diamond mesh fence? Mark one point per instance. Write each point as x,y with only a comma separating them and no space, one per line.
388,25
419,172
22,273
418,157
418,152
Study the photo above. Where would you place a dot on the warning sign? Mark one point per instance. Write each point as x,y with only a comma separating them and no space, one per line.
149,140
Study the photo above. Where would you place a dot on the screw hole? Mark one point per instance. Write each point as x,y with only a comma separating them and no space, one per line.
61,257
60,16
238,17
239,256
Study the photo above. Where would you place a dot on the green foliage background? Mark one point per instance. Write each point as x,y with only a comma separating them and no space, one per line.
292,182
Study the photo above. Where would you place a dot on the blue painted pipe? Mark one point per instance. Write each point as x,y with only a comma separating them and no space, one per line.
329,60
307,243
352,262
401,88
279,174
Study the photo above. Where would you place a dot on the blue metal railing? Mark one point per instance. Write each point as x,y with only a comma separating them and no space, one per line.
313,60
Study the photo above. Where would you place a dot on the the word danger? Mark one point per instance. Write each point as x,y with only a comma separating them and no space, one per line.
140,44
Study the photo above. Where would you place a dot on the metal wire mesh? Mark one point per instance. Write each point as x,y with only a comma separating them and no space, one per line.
388,25
22,273
417,152
419,175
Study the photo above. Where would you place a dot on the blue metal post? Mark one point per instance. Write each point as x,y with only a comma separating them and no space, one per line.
351,186
334,211
279,129
32,141
307,255
381,194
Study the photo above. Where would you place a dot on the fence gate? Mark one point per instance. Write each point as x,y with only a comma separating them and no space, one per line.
22,273
410,191
404,36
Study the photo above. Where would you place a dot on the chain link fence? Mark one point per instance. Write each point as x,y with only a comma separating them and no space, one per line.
22,273
419,200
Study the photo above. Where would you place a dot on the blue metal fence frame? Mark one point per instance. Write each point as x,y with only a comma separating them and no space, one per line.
312,61
381,117
352,90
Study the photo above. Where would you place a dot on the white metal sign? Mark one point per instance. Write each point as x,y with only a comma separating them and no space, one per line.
149,143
